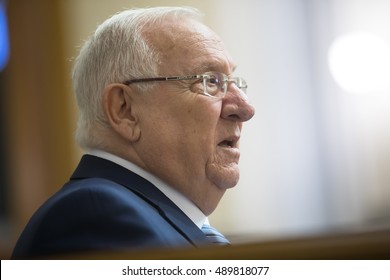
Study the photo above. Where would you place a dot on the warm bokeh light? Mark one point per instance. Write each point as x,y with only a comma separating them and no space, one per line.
360,63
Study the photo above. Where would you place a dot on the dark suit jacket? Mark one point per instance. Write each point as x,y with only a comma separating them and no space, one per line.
106,207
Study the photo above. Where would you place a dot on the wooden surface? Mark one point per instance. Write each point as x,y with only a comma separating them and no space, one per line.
363,245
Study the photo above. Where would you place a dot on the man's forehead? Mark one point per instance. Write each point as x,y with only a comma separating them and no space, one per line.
216,66
191,46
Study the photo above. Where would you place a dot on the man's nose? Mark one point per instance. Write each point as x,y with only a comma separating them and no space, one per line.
236,106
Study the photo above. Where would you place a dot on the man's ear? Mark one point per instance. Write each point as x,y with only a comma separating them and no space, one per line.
118,107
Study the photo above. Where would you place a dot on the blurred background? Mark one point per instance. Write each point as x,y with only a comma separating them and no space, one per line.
316,156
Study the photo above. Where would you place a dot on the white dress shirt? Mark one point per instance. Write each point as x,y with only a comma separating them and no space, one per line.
186,205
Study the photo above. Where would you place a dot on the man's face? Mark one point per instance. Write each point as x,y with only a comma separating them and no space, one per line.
188,139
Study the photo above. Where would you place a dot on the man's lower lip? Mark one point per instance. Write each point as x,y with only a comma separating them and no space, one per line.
229,149
226,146
229,154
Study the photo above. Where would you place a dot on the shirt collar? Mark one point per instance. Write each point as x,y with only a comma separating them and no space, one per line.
186,205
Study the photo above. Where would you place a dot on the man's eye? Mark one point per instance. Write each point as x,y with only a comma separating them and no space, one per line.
212,82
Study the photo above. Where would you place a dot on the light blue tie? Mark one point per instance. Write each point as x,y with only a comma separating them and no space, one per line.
214,235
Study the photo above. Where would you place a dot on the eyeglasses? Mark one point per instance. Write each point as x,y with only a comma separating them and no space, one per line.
214,84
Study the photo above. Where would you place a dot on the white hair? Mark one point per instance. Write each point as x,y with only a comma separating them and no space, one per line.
116,52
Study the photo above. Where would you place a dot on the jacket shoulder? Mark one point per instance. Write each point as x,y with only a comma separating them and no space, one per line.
94,214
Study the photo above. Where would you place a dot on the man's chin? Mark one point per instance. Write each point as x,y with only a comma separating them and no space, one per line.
224,177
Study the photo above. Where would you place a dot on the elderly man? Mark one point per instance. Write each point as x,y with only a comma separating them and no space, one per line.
160,120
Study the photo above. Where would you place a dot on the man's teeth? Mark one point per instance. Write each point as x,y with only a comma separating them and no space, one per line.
226,143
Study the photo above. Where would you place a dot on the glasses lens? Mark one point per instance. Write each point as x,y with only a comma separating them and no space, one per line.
241,84
212,83
216,84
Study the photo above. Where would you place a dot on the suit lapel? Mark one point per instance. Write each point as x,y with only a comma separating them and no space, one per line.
95,167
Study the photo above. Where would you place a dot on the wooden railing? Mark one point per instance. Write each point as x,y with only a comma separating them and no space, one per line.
354,246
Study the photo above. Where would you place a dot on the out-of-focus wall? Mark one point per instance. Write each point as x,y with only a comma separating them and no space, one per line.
36,135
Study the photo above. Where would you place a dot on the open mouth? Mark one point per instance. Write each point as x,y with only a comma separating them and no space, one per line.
228,143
